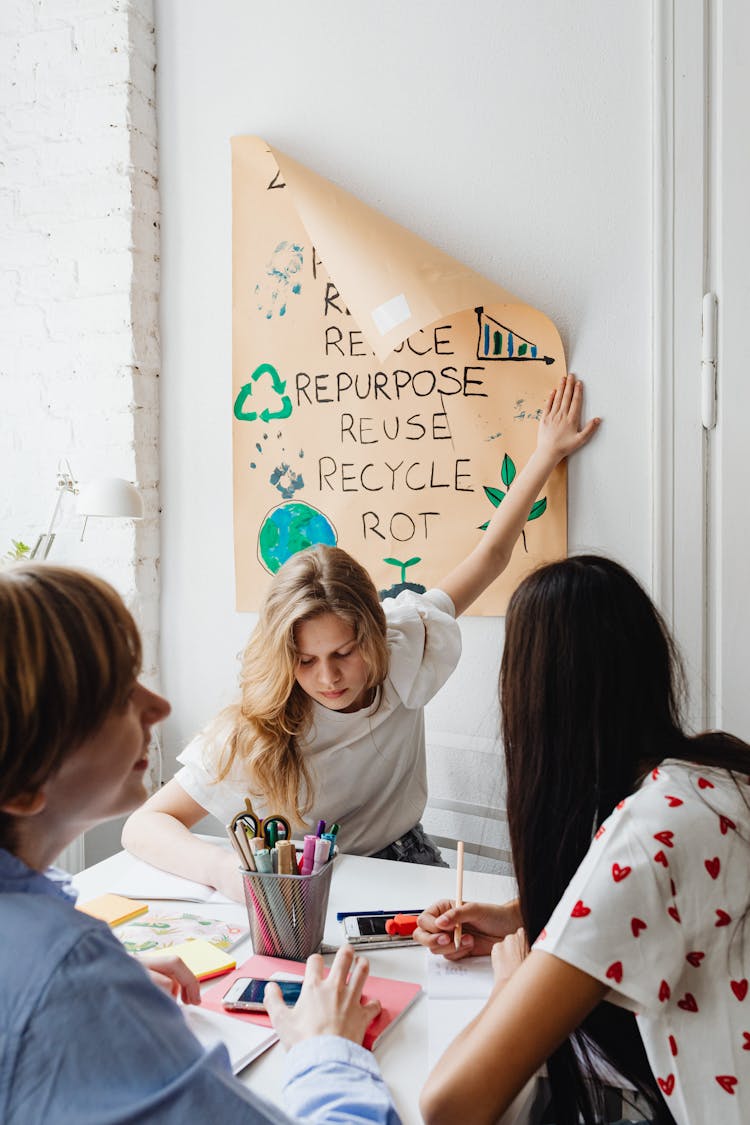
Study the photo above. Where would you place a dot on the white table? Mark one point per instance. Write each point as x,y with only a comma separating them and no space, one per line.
358,884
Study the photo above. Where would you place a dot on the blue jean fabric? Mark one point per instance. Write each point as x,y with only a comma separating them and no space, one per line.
414,847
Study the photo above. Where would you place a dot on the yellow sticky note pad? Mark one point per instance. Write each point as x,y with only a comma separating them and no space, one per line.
113,909
203,958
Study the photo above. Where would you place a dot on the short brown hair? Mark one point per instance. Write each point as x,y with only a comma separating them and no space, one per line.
69,655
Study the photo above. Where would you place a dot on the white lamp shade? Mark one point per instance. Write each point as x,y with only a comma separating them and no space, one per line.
110,496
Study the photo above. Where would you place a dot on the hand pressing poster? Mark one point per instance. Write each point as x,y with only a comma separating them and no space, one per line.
384,395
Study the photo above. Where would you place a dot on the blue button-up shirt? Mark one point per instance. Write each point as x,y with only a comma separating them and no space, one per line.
87,1039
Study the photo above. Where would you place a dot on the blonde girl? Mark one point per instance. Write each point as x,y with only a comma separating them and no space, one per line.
330,720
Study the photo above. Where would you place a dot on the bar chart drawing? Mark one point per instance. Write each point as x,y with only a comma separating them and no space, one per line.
495,341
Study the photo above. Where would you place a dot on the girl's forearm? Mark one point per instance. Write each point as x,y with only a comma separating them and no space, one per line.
165,842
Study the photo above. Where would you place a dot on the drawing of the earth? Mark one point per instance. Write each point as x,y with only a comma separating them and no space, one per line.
289,528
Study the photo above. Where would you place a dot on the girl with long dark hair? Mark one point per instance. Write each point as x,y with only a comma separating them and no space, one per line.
631,844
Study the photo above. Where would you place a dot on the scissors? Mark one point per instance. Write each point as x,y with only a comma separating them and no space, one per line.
269,829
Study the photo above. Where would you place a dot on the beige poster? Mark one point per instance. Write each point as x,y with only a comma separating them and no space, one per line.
384,395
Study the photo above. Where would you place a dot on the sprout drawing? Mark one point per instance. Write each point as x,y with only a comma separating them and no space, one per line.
403,565
496,497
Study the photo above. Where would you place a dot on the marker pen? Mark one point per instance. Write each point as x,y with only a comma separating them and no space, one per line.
264,862
331,838
308,855
322,850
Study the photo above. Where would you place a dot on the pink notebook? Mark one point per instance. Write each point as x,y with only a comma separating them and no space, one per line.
395,996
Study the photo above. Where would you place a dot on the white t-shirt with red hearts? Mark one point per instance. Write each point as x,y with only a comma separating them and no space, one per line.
658,911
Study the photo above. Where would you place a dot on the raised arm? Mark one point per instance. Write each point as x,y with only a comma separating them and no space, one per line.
560,434
159,832
526,1018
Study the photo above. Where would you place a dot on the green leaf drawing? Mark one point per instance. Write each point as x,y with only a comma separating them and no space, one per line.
508,471
403,565
494,495
538,509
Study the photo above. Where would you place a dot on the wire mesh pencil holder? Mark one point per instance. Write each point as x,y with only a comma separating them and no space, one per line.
287,913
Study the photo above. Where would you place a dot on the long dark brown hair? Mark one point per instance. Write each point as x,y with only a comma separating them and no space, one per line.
591,694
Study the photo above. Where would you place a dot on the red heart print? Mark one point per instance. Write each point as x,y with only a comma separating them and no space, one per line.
725,824
746,1044
620,805
739,988
695,958
673,912
579,910
704,783
727,1082
664,992
688,1003
665,838
620,873
655,774
666,1084
713,866
599,832
674,802
673,1046
636,925
722,918
661,858
614,972
672,887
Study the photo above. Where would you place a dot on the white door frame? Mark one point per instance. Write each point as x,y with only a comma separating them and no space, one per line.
680,149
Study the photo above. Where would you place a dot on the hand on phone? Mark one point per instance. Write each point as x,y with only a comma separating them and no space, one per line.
246,994
330,1006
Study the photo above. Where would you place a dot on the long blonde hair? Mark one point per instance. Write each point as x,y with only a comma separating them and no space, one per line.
273,713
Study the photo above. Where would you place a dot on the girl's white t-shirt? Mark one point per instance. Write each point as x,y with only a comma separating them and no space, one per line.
658,911
368,768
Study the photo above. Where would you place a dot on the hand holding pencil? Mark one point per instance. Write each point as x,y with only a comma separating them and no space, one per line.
482,926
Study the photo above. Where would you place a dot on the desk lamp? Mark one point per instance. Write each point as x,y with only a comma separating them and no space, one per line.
108,496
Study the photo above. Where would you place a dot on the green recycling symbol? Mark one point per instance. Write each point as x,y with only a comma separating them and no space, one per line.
278,385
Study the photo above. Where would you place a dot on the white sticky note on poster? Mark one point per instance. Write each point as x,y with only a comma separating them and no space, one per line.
390,314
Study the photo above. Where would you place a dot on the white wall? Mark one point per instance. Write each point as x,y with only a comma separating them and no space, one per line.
79,283
517,137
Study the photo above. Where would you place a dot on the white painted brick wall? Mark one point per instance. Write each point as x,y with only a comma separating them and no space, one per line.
79,280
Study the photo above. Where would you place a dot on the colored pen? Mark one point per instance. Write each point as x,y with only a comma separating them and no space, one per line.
322,850
308,854
321,828
459,892
331,838
264,862
285,848
341,914
273,832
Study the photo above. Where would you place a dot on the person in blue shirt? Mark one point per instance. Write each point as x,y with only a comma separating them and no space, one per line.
85,1037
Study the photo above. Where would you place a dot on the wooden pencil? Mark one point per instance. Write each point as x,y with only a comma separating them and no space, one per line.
459,892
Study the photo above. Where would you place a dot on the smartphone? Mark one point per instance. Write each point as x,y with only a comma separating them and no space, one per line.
369,930
246,994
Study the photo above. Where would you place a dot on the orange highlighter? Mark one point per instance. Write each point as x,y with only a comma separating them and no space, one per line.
401,925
